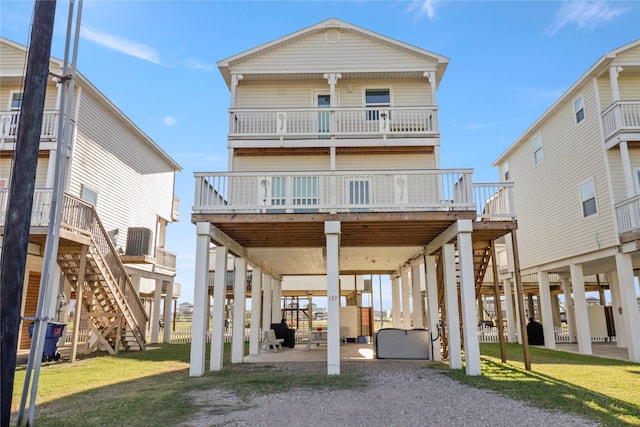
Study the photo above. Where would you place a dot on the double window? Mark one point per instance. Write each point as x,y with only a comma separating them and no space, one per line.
305,190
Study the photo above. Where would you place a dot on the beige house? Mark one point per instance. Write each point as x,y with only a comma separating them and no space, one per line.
119,199
576,175
334,172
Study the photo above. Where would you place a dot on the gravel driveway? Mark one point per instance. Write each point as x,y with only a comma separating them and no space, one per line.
399,394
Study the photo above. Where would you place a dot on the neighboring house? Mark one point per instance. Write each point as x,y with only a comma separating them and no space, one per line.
119,199
576,175
334,172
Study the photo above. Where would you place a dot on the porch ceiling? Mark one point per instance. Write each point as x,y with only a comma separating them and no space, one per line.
370,243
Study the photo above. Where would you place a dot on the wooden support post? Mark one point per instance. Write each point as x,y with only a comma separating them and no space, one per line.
520,297
497,304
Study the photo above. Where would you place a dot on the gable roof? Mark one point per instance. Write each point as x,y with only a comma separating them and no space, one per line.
83,82
226,64
601,66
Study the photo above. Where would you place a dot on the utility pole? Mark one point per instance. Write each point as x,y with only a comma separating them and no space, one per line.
18,219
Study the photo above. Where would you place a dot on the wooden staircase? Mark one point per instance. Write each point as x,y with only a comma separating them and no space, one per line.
117,316
481,259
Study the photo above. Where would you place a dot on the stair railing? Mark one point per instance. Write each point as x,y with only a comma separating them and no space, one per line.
81,217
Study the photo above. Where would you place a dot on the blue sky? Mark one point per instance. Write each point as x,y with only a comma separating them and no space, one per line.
156,60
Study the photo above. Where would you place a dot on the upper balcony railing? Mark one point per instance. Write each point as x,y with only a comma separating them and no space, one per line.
349,191
9,125
324,123
621,116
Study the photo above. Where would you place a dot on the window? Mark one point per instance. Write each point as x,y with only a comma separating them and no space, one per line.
588,198
505,171
376,98
536,143
89,195
358,192
578,108
305,190
278,190
15,101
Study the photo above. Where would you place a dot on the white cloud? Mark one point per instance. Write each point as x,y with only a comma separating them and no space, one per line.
128,47
586,15
169,121
197,65
424,7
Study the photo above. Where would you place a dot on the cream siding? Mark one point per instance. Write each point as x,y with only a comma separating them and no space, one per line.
628,86
546,195
385,162
280,163
6,164
629,56
299,94
13,62
313,53
134,185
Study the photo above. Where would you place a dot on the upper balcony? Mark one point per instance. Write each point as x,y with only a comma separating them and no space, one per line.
326,125
9,128
620,118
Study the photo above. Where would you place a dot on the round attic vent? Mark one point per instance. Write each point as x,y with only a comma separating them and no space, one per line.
332,36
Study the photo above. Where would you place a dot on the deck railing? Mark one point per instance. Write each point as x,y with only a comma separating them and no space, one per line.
333,191
494,201
621,116
39,210
349,191
165,259
319,123
628,214
9,125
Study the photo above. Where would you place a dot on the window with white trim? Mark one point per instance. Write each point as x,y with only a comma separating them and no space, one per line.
505,170
15,101
359,192
376,98
588,198
536,144
278,190
578,109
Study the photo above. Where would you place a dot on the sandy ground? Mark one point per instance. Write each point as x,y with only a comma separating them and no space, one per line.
398,394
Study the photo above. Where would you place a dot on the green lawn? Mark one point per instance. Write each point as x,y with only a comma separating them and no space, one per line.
604,390
151,388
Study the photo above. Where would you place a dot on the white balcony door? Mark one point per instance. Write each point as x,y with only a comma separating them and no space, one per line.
359,192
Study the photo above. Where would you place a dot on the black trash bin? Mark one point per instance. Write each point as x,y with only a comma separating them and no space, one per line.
54,332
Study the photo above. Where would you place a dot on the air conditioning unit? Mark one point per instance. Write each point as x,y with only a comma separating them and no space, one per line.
138,241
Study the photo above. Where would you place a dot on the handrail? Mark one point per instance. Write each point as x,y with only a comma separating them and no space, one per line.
84,218
9,121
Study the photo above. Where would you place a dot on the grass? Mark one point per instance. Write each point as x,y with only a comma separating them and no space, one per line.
152,388
603,390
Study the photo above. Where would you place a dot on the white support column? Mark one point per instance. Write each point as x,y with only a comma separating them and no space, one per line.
235,79
508,303
569,308
155,316
468,298
432,302
276,309
217,318
256,310
628,298
544,306
416,292
396,316
518,301
266,302
332,233
168,305
613,79
200,301
451,299
406,301
580,303
237,319
616,304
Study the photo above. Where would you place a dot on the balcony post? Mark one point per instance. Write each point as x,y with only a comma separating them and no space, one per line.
332,78
614,72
